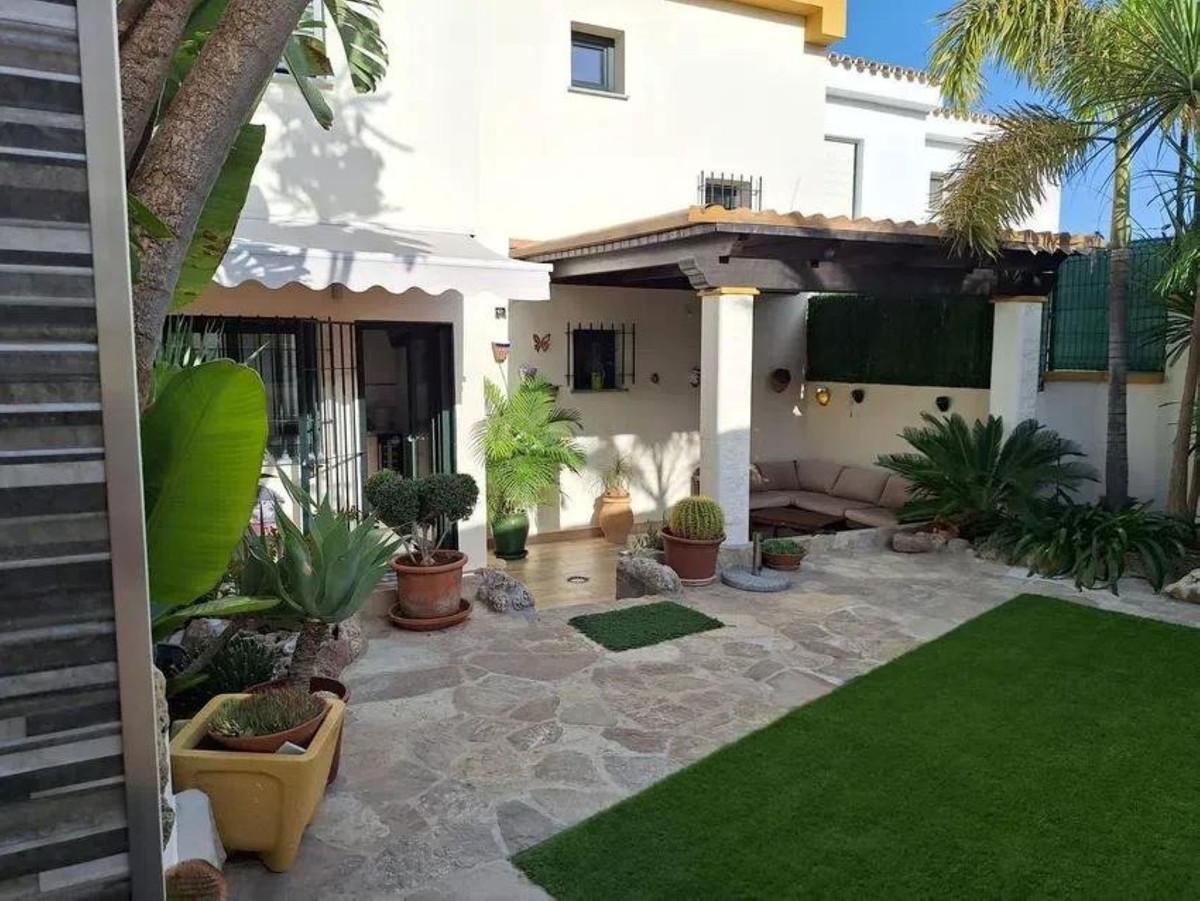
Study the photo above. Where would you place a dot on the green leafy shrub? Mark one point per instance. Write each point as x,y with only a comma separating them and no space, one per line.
422,511
525,441
265,714
787,546
697,518
972,476
1091,544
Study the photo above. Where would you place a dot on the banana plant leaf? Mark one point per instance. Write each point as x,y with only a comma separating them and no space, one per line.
167,620
219,218
305,59
202,445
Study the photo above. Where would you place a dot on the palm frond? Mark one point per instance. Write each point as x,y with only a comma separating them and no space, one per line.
1001,178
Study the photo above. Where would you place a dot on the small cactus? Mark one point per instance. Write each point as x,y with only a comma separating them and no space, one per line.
698,518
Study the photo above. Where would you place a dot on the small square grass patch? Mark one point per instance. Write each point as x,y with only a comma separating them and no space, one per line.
644,625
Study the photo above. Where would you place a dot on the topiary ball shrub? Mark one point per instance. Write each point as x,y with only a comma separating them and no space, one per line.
395,499
697,519
450,496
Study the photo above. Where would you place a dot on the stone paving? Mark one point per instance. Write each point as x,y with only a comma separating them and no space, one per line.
463,747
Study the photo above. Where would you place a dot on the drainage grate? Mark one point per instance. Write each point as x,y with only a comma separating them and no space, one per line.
578,580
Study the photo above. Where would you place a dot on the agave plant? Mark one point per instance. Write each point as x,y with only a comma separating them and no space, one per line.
525,441
1091,544
972,475
322,573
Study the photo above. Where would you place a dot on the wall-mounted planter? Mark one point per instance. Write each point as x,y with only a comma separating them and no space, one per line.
262,802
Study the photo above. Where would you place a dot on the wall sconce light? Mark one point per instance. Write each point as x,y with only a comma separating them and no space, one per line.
858,395
500,350
823,396
942,402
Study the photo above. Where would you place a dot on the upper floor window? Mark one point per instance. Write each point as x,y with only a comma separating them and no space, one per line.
596,59
842,177
730,191
937,187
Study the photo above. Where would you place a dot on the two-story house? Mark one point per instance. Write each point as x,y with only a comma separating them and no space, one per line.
373,261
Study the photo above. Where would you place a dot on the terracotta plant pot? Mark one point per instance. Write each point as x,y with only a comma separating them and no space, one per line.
269,744
427,592
315,684
694,561
616,517
784,562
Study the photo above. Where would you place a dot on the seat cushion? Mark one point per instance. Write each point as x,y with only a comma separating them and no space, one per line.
762,500
779,475
858,483
817,475
895,493
873,517
824,503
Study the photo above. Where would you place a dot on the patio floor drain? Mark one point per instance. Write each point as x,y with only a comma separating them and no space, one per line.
578,580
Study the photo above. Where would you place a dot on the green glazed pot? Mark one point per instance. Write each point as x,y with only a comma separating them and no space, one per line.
508,536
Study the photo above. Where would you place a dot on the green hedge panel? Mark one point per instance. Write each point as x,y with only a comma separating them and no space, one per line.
939,342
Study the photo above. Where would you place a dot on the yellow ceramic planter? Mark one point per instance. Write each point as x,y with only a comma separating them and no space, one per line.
262,802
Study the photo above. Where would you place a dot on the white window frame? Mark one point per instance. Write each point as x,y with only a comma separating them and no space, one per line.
858,144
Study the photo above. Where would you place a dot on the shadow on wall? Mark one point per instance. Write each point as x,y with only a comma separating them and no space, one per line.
662,471
335,174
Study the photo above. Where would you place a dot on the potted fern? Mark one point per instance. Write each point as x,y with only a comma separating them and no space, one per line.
423,512
526,441
693,536
616,513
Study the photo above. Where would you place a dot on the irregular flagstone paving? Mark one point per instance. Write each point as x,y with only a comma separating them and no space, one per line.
465,746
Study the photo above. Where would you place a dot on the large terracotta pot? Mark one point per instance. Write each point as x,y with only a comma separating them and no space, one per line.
426,592
616,517
694,561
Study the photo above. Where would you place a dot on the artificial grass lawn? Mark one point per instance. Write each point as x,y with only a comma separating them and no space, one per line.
646,624
1043,749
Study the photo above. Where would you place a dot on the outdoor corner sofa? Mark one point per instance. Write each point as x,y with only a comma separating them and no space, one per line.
863,496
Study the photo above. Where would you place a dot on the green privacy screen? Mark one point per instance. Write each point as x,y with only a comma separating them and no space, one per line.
1078,314
943,342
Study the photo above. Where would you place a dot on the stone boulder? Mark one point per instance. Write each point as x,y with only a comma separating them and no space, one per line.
346,643
1186,589
501,592
640,576
915,543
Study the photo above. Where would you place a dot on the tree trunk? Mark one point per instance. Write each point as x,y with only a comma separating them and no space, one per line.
146,53
304,658
191,144
1116,458
1181,452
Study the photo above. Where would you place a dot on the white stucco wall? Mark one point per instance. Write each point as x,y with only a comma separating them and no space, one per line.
657,424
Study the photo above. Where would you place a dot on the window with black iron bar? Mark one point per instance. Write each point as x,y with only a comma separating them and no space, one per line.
601,357
732,191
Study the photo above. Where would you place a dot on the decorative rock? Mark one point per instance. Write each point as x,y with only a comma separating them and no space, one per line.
1186,589
347,642
162,720
765,582
913,543
958,545
200,633
501,592
641,576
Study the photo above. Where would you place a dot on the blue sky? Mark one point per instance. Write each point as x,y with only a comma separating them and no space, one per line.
901,32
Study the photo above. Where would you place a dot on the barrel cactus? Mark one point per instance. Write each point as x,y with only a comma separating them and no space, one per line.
698,519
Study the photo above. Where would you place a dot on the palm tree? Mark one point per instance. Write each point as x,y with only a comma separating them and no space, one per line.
1061,47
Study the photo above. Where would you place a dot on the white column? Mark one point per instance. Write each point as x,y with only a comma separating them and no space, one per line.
726,387
1016,346
477,327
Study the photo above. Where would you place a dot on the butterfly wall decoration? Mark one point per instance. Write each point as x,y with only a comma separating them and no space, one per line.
541,343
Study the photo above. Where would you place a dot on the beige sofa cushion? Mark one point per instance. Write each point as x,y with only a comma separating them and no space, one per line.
873,517
779,475
761,500
824,503
817,475
857,483
895,493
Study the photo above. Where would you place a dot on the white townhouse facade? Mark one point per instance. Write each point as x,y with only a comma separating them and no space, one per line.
377,255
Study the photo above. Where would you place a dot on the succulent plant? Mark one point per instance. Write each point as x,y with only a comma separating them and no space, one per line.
265,714
787,546
697,518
